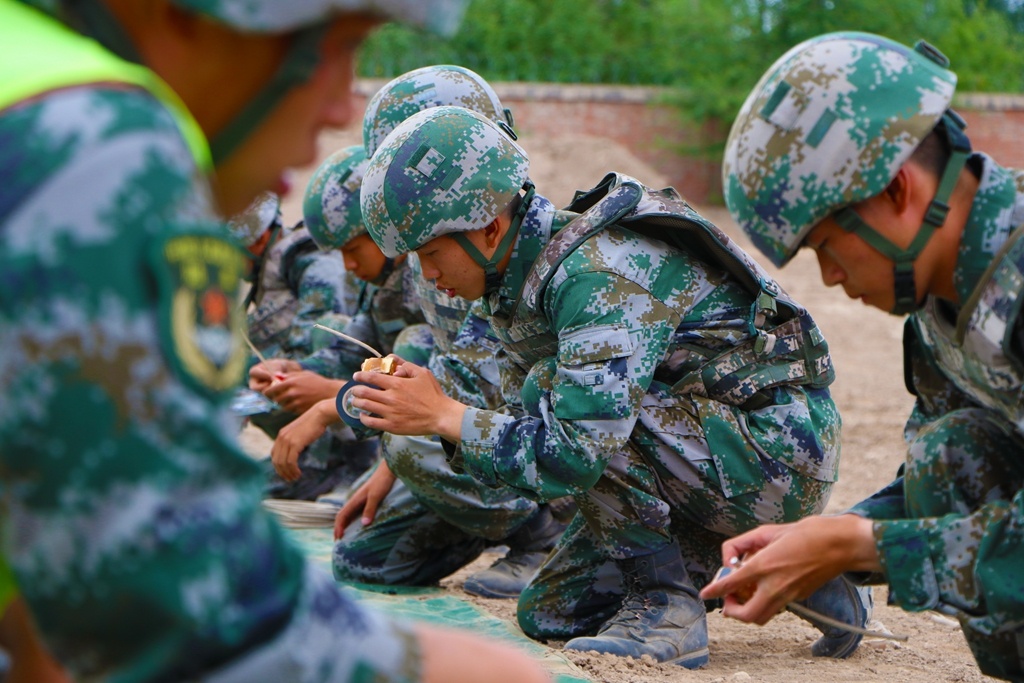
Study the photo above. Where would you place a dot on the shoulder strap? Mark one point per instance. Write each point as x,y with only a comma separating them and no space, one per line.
604,211
1007,271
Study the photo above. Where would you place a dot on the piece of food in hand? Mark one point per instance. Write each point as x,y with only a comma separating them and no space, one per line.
384,365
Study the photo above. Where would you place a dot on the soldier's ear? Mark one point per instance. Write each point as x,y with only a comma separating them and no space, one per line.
492,232
902,190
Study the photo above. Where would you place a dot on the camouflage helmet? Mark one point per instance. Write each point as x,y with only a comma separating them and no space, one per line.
828,125
443,170
424,88
330,207
249,225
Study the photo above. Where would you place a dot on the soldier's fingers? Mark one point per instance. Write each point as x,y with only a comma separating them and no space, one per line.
277,458
348,512
735,549
284,458
378,423
759,609
731,581
370,509
292,465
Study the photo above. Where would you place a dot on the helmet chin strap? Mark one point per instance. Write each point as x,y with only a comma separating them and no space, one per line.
298,66
492,278
903,259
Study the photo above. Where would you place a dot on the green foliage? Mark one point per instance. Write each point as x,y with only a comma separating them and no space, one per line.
710,51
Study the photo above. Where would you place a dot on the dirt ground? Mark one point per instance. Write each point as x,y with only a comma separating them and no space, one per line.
869,391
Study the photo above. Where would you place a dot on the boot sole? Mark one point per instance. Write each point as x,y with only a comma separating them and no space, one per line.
692,660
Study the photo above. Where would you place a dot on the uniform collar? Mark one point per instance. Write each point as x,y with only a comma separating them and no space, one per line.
534,233
997,209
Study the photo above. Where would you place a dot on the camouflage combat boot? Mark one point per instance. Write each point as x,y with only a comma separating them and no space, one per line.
661,614
528,546
841,601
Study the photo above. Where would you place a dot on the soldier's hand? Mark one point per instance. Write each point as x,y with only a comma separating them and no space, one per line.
782,563
297,435
263,375
299,391
410,402
366,499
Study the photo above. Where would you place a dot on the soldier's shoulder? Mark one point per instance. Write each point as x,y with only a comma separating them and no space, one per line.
91,114
85,144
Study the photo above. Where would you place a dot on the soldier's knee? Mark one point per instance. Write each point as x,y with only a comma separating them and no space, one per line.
536,619
351,564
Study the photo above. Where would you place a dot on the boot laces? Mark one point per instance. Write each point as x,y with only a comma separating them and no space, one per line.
635,602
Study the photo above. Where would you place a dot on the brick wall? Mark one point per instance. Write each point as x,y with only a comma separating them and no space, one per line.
637,118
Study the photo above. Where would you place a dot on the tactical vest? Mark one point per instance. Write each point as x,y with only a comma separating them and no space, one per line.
786,347
39,54
276,292
976,355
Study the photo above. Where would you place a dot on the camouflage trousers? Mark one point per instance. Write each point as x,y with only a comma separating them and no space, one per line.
432,523
966,459
698,495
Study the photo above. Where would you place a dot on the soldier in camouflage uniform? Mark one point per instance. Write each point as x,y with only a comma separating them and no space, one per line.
292,288
132,519
293,285
848,146
676,393
431,520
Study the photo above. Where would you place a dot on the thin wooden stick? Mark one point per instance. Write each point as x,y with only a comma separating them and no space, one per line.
276,376
348,338
253,347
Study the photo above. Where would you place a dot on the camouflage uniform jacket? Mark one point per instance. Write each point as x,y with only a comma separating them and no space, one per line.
383,310
623,325
297,285
131,517
971,357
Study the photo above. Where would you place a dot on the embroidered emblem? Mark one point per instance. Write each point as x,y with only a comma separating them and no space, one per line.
200,276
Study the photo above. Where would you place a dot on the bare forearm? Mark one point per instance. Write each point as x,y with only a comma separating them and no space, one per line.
449,420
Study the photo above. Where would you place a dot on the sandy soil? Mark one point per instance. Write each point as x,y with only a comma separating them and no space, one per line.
870,394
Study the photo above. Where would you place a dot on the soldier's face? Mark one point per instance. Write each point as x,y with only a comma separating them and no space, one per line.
896,214
847,260
453,271
363,258
287,138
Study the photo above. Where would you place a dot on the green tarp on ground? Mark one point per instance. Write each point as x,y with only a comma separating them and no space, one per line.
433,605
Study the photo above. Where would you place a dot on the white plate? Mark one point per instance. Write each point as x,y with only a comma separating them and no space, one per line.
302,514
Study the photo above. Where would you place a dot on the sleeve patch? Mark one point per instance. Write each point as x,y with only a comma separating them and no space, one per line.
200,320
